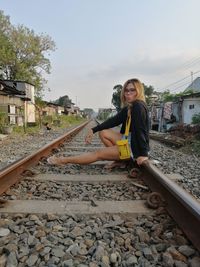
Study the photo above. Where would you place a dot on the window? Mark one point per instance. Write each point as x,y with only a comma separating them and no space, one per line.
191,106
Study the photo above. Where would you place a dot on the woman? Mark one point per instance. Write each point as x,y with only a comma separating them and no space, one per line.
133,101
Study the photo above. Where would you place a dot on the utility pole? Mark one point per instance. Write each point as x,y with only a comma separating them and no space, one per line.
191,79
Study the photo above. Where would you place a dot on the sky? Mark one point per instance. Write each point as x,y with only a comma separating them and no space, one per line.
101,43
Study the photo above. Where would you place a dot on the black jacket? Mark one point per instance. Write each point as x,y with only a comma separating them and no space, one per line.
139,127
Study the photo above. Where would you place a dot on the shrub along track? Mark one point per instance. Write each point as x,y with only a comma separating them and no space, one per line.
88,216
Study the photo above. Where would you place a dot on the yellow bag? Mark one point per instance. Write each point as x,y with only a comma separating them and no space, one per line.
123,145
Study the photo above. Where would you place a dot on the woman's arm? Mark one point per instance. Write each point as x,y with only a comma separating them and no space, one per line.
111,122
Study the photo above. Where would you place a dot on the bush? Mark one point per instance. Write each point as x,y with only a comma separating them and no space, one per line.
196,118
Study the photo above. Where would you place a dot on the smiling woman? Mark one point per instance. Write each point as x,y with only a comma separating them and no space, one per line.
134,107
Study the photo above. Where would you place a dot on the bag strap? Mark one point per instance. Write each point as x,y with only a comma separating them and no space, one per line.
128,123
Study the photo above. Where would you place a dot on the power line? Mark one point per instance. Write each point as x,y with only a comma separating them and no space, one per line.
187,83
190,62
174,83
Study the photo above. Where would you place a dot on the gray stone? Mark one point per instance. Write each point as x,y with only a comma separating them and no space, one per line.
167,260
195,262
45,251
32,260
161,247
99,253
148,253
180,264
131,261
68,263
73,249
23,251
186,250
57,252
33,218
12,260
30,239
10,247
143,236
4,232
105,260
113,258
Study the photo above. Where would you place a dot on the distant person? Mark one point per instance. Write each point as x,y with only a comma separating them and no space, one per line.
133,106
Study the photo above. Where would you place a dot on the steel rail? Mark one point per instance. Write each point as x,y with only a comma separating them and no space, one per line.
184,208
12,174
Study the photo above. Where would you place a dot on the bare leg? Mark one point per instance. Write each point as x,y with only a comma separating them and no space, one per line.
109,137
107,153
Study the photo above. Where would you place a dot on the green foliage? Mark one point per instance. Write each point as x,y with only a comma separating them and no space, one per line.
166,96
67,121
3,119
63,101
116,101
148,91
19,130
39,102
196,118
23,53
104,114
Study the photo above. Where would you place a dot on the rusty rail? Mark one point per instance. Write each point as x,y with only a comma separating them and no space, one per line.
184,208
12,174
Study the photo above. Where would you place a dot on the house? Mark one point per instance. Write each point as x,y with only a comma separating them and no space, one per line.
76,110
50,109
12,103
28,90
190,106
178,112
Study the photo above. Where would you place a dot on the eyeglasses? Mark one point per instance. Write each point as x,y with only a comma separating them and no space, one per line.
131,91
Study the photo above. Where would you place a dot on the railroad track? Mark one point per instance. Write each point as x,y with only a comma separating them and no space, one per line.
88,216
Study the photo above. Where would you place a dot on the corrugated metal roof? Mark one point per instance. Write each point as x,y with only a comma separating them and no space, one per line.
9,89
195,85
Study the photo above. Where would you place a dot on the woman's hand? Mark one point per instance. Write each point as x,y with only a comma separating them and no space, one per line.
89,136
55,160
141,159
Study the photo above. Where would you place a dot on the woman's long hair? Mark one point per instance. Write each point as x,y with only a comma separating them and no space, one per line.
139,88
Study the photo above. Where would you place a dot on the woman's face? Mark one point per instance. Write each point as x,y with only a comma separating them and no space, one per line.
130,93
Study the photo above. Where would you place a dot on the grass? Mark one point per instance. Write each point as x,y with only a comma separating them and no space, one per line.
61,122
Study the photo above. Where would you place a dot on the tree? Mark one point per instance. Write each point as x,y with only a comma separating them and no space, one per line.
148,91
116,101
167,96
64,101
23,53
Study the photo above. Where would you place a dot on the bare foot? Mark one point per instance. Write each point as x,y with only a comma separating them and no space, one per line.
115,164
55,160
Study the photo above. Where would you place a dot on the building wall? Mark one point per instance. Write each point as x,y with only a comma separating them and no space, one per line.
11,100
11,105
48,110
190,107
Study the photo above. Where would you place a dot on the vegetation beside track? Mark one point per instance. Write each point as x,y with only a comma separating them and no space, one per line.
55,123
